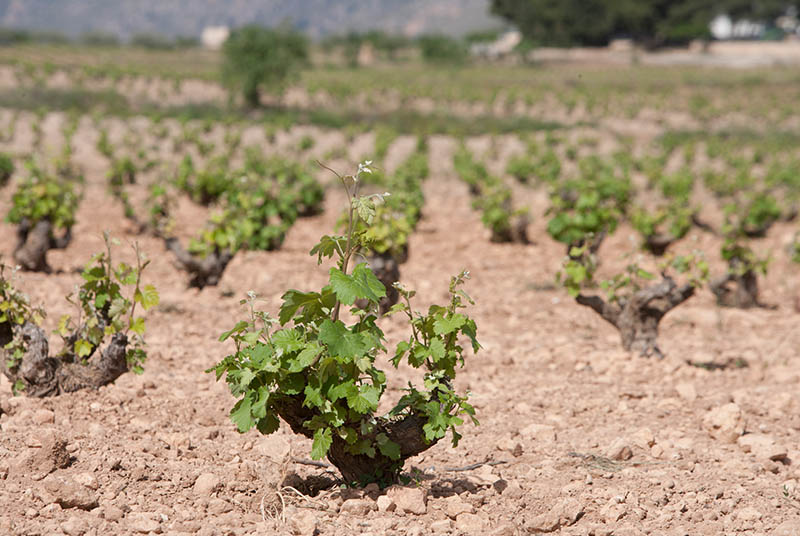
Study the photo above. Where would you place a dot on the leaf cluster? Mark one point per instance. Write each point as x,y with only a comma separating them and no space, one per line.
331,364
396,216
259,208
534,165
591,204
15,310
492,197
44,197
105,307
6,169
579,268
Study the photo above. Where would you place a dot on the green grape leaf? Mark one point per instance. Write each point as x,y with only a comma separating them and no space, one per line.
443,326
340,341
148,297
437,349
305,358
365,399
82,348
361,284
268,424
388,448
241,415
322,442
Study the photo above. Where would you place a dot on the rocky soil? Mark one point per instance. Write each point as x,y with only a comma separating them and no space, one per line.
576,436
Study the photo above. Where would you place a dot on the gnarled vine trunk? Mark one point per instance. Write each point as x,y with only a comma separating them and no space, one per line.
736,290
406,431
637,318
33,243
204,271
657,244
44,375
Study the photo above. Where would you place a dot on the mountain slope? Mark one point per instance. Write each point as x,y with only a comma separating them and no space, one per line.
189,17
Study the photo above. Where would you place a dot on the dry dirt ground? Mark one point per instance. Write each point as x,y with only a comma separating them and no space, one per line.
576,437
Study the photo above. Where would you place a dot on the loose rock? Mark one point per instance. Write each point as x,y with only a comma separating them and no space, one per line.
787,528
686,391
619,450
644,439
470,524
67,493
143,522
563,514
206,484
763,446
385,504
409,500
302,521
454,506
358,507
74,526
725,423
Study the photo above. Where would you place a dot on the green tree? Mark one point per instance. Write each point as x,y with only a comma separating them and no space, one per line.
436,48
256,57
650,22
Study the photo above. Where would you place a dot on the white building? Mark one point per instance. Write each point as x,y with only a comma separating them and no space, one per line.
214,36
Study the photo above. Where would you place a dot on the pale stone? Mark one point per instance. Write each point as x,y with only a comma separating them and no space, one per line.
44,416
358,507
563,514
787,528
143,522
762,446
385,504
644,439
66,492
454,506
409,500
206,484
725,423
87,480
302,521
686,391
470,524
619,450
748,514
74,526
273,447
441,526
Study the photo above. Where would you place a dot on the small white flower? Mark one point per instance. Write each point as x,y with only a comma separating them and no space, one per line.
363,167
251,294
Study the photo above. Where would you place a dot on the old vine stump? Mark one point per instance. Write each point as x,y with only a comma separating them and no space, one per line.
637,316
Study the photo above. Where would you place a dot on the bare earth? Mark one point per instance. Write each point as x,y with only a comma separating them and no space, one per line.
576,437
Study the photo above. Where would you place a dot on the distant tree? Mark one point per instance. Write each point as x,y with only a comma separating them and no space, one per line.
152,41
437,48
257,57
99,39
649,22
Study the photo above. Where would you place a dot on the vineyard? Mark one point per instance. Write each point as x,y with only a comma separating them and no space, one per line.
596,329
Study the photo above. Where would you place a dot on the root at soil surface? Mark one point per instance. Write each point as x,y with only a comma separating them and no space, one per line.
638,316
204,271
406,431
33,243
44,375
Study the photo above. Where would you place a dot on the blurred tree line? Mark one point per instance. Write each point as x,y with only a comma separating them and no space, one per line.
651,23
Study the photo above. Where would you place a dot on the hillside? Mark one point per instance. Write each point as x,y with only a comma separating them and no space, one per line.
188,17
